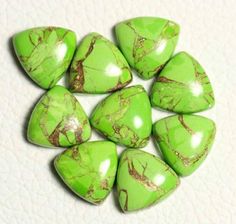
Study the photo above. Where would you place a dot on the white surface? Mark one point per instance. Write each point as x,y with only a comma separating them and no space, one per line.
30,192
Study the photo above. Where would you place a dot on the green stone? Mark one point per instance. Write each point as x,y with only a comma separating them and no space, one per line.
182,86
89,169
143,180
147,43
58,120
45,53
125,117
184,140
98,66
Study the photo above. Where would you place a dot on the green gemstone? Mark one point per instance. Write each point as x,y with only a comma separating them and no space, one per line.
184,140
89,169
147,43
125,117
58,120
45,53
182,86
143,180
98,66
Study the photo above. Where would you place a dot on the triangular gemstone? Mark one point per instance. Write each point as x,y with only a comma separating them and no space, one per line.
89,169
147,43
45,53
184,141
98,66
143,180
58,120
124,117
182,86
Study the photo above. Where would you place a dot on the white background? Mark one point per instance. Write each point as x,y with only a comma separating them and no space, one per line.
29,190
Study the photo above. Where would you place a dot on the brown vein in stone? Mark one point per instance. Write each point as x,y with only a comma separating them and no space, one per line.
35,46
139,41
141,178
126,198
187,161
75,153
163,79
63,126
187,128
176,104
105,185
211,95
119,84
67,123
155,70
135,140
78,83
167,129
90,193
196,73
123,106
54,136
114,117
200,77
41,38
31,41
64,35
135,40
42,121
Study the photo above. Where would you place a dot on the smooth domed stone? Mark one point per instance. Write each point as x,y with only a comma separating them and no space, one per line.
98,66
89,169
182,86
58,120
147,43
45,53
143,180
184,141
125,117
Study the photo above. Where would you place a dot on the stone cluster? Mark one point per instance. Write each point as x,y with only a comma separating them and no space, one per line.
98,66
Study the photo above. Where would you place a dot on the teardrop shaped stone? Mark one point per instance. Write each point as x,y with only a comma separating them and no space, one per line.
143,180
58,120
98,66
185,141
147,43
89,169
45,53
182,86
124,117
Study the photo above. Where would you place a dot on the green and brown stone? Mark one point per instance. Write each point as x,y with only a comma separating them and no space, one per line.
45,53
147,43
184,140
58,120
182,86
98,66
124,117
89,169
143,180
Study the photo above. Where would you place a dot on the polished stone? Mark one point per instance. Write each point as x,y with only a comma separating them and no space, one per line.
98,66
58,120
143,180
89,169
124,117
182,86
184,140
45,53
147,43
